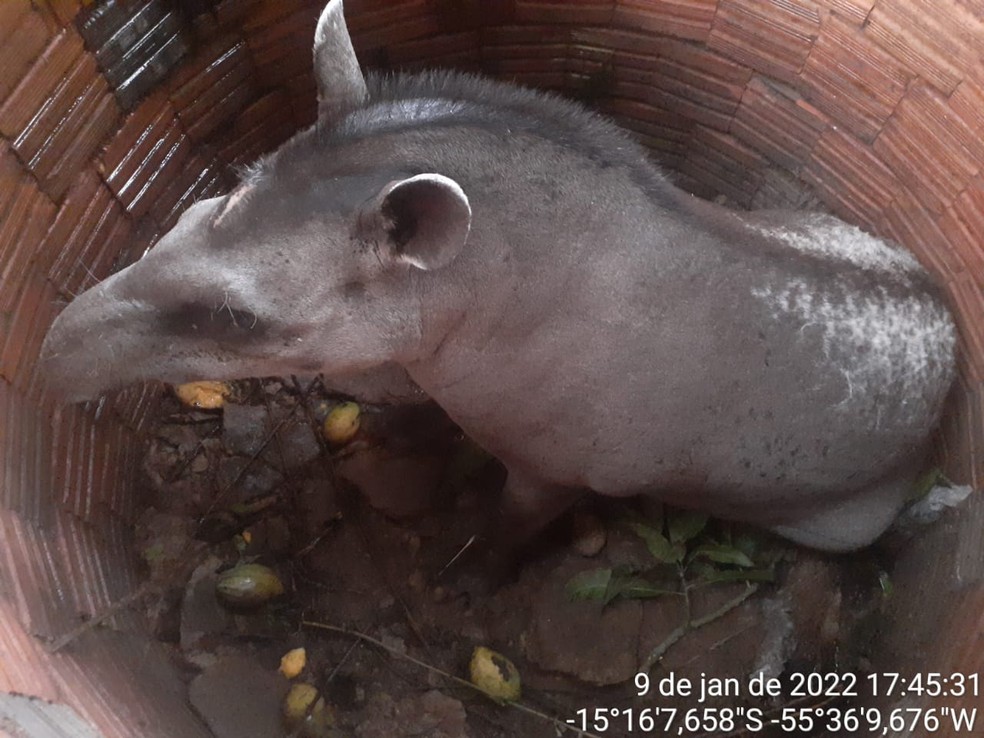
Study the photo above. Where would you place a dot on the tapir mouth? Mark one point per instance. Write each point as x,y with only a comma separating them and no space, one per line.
97,345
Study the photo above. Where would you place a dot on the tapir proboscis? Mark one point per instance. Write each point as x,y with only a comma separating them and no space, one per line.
577,315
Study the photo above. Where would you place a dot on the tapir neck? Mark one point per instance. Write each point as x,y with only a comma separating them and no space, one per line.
479,314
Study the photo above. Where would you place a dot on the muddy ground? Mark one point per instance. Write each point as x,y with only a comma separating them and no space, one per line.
370,539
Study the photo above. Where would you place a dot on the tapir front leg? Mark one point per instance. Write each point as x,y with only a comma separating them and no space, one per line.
527,506
505,525
509,522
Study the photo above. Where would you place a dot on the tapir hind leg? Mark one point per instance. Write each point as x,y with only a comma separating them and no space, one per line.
855,521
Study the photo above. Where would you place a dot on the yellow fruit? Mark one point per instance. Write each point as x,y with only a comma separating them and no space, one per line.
300,698
342,423
306,713
203,395
292,663
495,675
248,586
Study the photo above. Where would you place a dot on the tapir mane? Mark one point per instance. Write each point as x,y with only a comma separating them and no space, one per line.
476,95
399,102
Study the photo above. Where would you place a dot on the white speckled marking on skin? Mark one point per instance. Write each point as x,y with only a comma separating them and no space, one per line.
877,341
825,235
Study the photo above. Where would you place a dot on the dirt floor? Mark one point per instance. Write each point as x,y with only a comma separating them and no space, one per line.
623,613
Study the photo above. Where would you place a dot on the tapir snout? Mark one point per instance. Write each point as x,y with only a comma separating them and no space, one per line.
115,333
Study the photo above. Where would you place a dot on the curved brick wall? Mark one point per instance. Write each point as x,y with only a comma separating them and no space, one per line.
114,116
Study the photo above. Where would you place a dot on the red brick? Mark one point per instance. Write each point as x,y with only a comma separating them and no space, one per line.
687,19
21,227
962,223
585,12
855,11
87,128
213,88
776,122
39,84
852,79
850,178
32,34
64,10
919,145
773,37
131,163
36,303
911,223
933,40
33,141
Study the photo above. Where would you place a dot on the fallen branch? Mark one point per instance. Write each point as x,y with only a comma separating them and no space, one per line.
693,624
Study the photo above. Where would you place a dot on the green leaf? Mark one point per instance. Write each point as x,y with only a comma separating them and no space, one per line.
589,586
885,582
684,525
721,554
153,553
659,546
656,517
637,588
925,484
747,544
698,571
735,575
606,585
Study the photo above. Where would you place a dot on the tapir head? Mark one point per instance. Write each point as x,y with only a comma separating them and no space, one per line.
289,273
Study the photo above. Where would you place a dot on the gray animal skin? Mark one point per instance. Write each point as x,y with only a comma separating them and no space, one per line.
583,320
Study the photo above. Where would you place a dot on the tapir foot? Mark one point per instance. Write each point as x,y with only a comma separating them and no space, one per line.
855,521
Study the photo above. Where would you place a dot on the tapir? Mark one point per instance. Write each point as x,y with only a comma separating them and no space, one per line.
535,274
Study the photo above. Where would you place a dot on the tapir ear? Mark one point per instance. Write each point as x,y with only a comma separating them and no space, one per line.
427,219
341,86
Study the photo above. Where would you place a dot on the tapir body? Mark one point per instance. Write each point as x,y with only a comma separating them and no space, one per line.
582,319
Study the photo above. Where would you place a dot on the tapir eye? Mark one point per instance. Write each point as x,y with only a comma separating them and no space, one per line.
354,290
